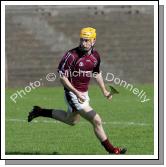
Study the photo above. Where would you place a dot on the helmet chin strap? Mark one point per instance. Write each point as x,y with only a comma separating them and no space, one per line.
89,51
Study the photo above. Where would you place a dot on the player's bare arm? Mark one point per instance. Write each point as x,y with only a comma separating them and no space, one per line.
67,84
101,84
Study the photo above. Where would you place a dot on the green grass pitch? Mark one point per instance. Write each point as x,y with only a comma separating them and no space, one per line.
126,120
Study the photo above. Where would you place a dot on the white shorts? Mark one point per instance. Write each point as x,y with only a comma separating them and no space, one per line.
73,103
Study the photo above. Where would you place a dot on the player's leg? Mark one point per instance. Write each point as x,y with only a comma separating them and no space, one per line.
89,114
70,118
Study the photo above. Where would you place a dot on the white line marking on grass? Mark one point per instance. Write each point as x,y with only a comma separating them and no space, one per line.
82,122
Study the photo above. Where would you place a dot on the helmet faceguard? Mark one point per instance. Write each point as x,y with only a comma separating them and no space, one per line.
88,33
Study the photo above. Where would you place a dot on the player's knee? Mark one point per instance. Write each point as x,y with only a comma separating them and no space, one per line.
97,120
72,119
72,123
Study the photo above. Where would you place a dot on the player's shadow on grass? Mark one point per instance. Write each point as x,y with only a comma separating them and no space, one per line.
29,153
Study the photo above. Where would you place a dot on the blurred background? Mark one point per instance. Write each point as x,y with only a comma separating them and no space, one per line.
36,37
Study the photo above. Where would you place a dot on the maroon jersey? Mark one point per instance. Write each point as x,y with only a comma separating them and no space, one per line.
79,68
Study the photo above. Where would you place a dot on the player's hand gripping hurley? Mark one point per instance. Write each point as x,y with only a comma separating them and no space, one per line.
112,92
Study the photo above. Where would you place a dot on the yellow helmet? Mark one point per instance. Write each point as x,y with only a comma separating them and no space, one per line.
88,32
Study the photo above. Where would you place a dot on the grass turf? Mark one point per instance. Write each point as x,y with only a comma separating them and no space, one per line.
127,122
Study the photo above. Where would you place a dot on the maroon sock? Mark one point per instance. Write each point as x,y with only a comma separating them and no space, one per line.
108,146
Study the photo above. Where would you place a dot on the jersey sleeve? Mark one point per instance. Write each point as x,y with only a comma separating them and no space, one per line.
66,64
97,67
